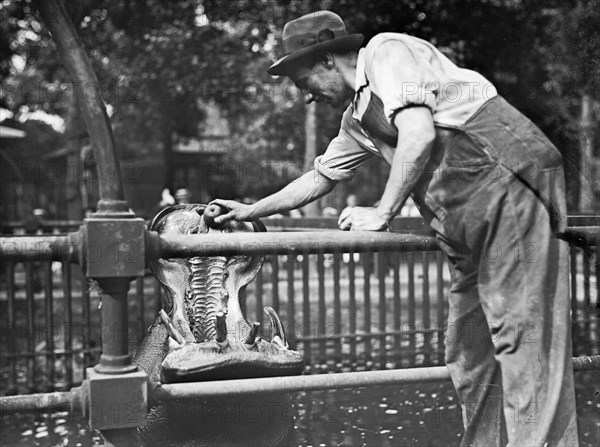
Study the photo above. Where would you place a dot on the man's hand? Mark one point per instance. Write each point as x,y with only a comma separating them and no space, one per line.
359,218
237,211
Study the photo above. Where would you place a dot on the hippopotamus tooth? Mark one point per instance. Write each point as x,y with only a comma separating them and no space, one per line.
221,327
250,339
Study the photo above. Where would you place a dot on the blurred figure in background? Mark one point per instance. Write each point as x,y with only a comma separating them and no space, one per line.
183,196
166,200
351,202
410,209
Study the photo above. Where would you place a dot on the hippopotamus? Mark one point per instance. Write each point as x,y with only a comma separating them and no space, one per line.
201,334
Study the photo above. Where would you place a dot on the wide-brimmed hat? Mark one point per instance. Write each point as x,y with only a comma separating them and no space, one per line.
312,33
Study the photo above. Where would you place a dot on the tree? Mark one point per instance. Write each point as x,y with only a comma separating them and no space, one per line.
576,73
160,63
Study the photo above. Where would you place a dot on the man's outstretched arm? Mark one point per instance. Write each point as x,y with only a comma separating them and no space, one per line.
305,189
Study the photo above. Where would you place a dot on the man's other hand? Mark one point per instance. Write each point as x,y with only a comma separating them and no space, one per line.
236,211
359,218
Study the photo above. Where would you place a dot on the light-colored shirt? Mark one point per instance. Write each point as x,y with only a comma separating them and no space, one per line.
403,71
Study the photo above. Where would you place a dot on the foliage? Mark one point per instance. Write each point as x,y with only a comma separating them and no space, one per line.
575,62
161,63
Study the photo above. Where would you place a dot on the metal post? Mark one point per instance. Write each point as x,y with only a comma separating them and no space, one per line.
115,358
92,106
110,238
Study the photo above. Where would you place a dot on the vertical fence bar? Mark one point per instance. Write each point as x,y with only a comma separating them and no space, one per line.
68,324
367,264
337,307
322,308
12,326
142,323
259,294
291,312
86,333
352,306
306,332
597,306
587,296
411,308
574,306
397,308
49,317
441,306
597,273
275,281
381,274
426,308
31,359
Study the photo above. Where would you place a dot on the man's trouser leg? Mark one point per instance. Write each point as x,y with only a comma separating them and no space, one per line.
473,367
523,283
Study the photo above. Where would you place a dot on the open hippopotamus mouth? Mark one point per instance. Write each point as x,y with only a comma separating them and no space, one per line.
210,338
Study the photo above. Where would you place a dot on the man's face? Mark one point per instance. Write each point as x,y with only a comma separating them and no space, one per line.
321,83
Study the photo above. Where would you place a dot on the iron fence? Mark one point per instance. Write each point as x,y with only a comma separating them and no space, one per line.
343,311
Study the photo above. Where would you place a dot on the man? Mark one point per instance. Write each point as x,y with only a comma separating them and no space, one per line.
489,184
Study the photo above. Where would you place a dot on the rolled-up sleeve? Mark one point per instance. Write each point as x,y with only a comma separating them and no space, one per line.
400,75
343,155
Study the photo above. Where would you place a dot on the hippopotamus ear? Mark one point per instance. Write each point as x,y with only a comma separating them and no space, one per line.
258,226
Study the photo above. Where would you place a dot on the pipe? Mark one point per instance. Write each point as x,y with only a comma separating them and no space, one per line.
586,363
228,244
40,248
91,103
263,385
67,248
41,402
586,236
227,388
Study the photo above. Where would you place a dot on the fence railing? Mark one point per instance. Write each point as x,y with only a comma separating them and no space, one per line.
343,311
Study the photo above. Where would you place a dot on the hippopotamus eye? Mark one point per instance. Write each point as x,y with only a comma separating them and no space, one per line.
194,230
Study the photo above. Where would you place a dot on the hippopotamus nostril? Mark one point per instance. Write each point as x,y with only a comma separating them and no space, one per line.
210,213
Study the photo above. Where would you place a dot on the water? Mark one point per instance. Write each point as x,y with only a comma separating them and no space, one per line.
425,414
415,415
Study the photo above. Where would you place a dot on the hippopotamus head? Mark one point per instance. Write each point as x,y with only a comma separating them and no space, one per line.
209,336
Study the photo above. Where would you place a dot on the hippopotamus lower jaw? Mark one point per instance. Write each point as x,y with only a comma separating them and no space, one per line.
224,357
213,361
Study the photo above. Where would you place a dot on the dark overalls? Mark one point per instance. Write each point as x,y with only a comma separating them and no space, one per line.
494,193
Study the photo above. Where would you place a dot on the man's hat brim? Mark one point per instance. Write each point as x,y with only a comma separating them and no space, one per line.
345,43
